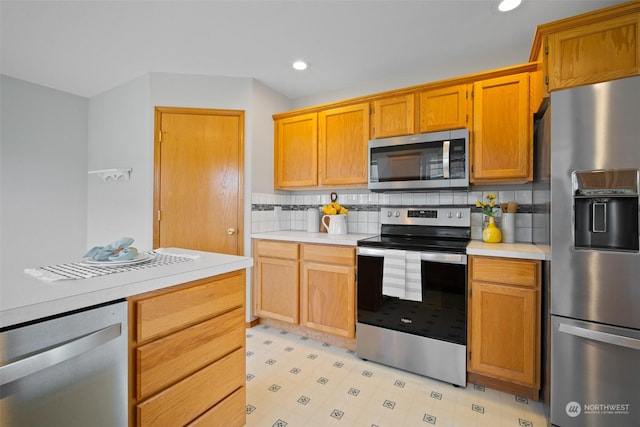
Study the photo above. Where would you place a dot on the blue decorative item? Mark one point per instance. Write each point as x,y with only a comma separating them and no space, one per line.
102,253
125,254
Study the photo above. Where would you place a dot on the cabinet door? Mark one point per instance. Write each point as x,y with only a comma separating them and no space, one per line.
502,143
393,116
276,289
343,140
296,151
504,333
328,298
444,109
604,50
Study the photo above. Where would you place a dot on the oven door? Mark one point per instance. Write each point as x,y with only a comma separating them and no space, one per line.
441,315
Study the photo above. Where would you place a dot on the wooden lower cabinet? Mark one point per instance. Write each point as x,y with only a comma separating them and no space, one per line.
276,274
328,289
187,354
504,324
311,285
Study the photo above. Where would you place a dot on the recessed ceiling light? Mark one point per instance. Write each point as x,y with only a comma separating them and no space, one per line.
300,65
507,5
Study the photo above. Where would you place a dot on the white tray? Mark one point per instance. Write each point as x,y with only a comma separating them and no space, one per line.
140,258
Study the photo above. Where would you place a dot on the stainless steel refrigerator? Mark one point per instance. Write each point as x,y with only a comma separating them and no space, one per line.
595,268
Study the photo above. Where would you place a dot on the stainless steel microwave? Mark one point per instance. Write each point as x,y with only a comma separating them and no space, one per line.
431,160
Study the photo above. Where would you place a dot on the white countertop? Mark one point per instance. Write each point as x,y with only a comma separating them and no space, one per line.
24,298
475,247
350,239
510,250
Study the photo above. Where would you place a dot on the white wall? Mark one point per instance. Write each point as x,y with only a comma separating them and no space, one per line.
43,173
266,102
120,137
401,78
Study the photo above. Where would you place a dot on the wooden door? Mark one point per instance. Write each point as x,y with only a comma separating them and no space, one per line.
504,333
198,189
296,151
444,109
342,145
502,142
393,116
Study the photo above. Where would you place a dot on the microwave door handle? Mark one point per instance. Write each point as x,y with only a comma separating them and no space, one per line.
445,159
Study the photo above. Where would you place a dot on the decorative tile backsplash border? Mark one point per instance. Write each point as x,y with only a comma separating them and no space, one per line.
277,212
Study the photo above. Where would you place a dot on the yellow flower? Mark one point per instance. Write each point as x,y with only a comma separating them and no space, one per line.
334,208
488,207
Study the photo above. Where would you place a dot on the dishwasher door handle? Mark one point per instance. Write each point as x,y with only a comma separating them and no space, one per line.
33,363
604,337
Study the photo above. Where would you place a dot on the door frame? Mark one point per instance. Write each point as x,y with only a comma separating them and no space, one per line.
158,111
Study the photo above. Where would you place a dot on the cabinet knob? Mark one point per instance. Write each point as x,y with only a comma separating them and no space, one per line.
231,231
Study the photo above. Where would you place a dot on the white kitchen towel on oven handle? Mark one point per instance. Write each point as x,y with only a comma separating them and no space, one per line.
394,273
413,277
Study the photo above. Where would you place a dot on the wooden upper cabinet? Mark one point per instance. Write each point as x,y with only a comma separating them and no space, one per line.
502,137
593,47
296,151
444,108
342,145
393,116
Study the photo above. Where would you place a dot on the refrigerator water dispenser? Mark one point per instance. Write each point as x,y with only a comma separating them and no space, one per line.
606,209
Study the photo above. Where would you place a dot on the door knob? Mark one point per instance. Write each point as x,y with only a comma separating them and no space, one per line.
231,231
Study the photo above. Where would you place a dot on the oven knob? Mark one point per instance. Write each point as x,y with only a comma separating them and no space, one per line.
396,214
389,213
450,215
458,214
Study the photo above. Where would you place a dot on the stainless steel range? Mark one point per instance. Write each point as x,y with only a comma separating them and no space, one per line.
412,286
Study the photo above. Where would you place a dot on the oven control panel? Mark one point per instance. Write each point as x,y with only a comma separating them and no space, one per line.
454,216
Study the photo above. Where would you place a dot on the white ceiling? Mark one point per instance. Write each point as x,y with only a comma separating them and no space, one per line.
87,47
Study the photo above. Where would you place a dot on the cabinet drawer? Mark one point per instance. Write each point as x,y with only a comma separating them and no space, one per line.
167,360
520,272
341,255
273,249
194,395
158,315
231,412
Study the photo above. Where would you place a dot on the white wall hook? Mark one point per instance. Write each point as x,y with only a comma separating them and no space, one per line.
112,174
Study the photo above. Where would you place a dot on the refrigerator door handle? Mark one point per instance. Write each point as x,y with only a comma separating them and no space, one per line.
52,356
600,336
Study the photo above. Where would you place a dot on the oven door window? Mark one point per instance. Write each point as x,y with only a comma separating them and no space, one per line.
441,314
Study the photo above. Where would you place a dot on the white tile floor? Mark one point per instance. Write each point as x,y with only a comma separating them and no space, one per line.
295,381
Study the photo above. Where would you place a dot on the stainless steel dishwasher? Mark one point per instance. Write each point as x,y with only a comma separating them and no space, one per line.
69,370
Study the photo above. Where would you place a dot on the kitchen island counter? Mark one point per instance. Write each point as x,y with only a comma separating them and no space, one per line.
24,298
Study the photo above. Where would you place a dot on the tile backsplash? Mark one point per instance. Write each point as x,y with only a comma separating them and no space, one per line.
278,212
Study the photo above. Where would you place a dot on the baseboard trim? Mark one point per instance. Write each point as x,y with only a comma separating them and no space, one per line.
506,386
346,343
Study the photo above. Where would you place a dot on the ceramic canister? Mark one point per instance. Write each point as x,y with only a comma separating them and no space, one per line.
313,220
